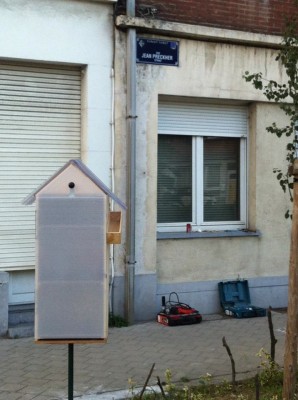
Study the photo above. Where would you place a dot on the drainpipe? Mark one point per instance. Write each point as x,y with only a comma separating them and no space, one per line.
131,128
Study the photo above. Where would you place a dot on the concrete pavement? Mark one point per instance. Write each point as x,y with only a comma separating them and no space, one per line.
39,371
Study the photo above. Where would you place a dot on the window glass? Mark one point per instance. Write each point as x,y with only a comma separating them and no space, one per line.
221,179
174,185
202,166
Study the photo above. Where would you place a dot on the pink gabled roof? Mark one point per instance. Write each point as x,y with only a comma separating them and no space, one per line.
89,174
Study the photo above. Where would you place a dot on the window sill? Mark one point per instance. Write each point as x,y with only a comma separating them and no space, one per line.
207,234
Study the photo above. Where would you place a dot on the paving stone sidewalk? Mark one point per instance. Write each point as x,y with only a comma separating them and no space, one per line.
38,371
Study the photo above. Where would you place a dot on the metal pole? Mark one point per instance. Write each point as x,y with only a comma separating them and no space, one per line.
70,371
131,121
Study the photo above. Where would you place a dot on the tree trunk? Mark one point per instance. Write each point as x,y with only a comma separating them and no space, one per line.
290,357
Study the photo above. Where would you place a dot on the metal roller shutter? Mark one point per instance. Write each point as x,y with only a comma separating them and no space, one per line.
40,125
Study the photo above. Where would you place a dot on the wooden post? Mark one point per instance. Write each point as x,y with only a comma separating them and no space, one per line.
290,357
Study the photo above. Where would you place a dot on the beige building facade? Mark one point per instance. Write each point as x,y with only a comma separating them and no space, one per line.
207,82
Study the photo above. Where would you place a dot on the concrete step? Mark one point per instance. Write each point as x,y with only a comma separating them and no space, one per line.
25,329
20,313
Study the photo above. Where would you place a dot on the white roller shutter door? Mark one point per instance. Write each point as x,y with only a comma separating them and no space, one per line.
40,127
197,119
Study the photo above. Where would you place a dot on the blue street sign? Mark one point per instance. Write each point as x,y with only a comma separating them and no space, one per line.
158,52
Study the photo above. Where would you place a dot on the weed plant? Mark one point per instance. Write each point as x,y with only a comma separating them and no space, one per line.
115,321
270,380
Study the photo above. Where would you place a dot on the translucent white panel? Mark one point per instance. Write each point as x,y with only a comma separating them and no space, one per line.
71,276
71,310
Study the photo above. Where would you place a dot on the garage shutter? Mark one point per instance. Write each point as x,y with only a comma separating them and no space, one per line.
40,125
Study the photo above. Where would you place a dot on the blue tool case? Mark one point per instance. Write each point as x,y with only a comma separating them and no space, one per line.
235,300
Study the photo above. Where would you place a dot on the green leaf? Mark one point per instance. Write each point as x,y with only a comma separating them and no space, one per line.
285,94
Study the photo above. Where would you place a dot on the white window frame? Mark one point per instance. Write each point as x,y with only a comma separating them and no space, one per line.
197,223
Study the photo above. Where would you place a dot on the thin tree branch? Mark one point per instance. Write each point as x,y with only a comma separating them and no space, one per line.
146,382
161,388
232,360
257,384
273,339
